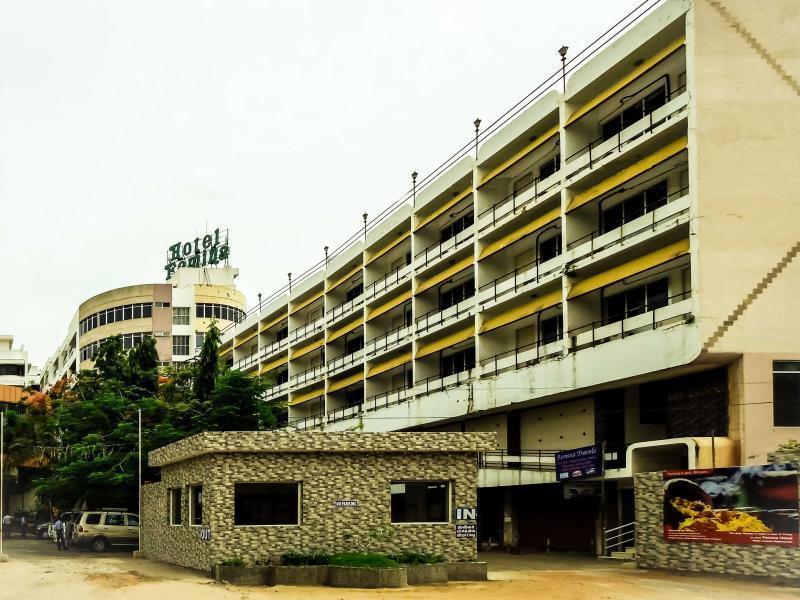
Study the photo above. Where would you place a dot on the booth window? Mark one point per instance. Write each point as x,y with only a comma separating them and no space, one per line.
786,393
420,501
196,505
175,506
266,504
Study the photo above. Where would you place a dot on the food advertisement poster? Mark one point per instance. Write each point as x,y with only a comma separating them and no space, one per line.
734,505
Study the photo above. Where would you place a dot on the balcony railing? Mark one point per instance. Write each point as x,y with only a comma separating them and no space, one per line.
527,460
518,279
306,330
388,398
304,423
346,412
442,316
274,347
678,309
247,361
308,376
387,282
345,308
435,383
518,201
345,360
438,250
524,356
276,390
389,340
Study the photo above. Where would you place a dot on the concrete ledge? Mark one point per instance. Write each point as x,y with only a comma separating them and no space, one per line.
467,571
139,554
365,577
301,575
426,574
253,575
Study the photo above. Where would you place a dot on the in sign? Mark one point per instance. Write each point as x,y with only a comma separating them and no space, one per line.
466,514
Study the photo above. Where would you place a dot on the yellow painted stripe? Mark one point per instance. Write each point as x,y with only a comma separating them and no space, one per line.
343,383
305,397
303,350
631,76
387,248
274,321
337,333
267,367
444,208
343,278
447,273
628,173
226,351
637,265
518,156
305,303
446,342
378,311
247,339
389,364
520,233
520,312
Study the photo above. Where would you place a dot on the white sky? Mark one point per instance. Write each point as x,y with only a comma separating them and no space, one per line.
128,125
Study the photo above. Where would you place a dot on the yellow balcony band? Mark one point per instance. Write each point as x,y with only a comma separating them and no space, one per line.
444,275
379,310
303,350
389,364
637,265
628,173
505,241
388,247
337,333
278,362
343,278
444,208
305,303
247,339
518,156
306,396
274,321
520,312
446,342
225,351
631,76
343,383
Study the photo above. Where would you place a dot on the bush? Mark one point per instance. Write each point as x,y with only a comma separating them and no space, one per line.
416,558
233,562
362,559
302,559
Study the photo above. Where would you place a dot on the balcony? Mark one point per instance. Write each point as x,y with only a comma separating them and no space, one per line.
344,361
436,383
433,254
388,341
388,282
277,390
524,356
346,412
304,423
272,349
344,309
388,398
308,376
517,203
247,361
534,460
600,151
678,310
438,318
306,330
521,280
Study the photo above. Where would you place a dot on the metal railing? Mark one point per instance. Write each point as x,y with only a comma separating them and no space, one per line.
515,204
435,383
388,280
389,398
497,363
439,249
307,422
311,374
521,276
390,339
345,307
307,329
345,360
530,460
616,539
274,347
343,413
439,316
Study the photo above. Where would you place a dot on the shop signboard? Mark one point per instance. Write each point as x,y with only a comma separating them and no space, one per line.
206,251
733,505
579,463
466,530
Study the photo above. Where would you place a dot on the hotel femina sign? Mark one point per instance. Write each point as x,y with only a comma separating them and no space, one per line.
206,251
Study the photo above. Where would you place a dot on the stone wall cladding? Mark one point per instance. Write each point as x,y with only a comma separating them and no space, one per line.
319,441
653,552
325,477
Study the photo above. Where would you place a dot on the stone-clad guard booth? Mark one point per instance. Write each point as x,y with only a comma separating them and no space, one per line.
257,495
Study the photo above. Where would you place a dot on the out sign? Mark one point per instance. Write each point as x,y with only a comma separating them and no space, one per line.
466,514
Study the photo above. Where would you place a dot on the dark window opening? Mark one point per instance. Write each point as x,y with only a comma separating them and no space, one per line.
282,333
282,377
420,501
353,395
175,506
550,330
634,207
639,109
550,166
786,393
636,301
266,504
196,505
549,248
355,291
458,362
353,345
458,293
456,227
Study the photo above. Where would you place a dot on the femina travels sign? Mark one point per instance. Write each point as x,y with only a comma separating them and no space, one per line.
210,250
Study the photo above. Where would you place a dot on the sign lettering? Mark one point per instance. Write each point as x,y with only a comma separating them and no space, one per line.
210,250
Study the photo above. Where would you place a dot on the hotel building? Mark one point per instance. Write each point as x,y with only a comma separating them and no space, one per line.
618,266
177,314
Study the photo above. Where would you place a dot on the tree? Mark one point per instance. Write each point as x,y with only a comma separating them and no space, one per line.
143,365
208,364
236,404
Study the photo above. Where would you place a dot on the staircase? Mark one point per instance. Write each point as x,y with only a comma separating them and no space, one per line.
619,542
752,296
629,554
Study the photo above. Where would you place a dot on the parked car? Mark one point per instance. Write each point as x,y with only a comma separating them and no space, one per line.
101,529
42,530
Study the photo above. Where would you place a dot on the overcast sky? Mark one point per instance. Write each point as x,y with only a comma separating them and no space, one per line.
128,125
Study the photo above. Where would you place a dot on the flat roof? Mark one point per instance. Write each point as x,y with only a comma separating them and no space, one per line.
216,442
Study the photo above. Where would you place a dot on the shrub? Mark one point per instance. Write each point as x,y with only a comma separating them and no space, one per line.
301,559
233,562
362,559
415,558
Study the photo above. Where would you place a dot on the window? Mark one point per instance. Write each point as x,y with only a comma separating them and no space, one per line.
420,502
180,315
457,293
549,248
458,361
637,300
93,519
353,395
640,108
161,304
115,520
550,330
282,377
282,333
550,166
196,505
634,207
18,370
266,504
180,345
199,338
456,227
355,291
218,311
354,344
786,393
175,506
133,520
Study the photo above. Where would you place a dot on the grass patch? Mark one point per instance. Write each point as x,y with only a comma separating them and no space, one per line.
362,559
303,559
232,562
416,558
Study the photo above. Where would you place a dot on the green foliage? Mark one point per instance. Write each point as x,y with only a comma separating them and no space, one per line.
362,559
310,557
232,562
415,558
208,364
789,446
235,404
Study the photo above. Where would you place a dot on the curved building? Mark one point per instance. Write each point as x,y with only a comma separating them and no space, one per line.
177,314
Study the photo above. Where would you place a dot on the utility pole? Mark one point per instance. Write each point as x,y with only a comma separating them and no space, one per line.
140,476
563,53
3,557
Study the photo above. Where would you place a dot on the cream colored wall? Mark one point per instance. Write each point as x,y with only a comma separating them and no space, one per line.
558,426
124,295
496,423
219,294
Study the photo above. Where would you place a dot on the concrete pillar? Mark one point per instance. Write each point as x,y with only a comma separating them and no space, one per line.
510,521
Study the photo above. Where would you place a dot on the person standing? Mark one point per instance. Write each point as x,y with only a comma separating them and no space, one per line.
23,524
58,527
7,526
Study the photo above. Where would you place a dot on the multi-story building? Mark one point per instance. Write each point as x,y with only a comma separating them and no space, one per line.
177,314
16,373
617,266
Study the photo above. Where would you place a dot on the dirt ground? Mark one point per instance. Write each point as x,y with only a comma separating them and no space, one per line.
37,571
